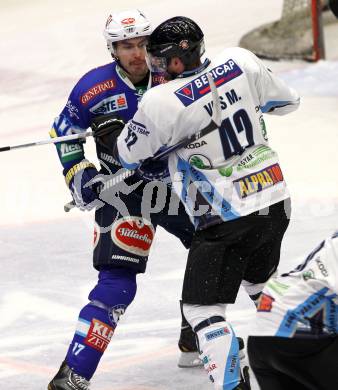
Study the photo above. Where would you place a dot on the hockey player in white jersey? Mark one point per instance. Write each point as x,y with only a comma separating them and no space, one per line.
232,169
295,340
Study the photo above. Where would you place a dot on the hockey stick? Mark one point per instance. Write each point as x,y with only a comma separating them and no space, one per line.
48,141
214,124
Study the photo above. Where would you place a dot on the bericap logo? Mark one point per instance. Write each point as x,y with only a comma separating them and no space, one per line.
199,87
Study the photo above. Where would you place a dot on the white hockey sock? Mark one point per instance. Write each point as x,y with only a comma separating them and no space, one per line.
218,345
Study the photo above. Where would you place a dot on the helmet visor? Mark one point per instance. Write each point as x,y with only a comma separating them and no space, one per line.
156,64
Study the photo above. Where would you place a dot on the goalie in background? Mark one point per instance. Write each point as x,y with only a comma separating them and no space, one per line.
294,344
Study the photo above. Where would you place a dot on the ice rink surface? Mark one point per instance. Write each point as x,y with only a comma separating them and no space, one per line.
45,254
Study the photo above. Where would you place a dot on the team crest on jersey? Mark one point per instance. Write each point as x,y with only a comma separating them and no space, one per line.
134,235
199,87
265,303
258,181
115,313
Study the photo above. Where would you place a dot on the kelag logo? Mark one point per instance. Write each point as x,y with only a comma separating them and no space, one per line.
199,87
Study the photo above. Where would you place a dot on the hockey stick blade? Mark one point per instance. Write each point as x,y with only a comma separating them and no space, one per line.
214,124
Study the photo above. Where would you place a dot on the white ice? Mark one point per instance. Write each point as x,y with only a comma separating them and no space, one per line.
45,254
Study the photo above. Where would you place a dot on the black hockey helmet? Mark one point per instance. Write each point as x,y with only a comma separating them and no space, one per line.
177,37
333,4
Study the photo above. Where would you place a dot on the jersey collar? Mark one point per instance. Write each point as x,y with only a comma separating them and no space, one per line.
189,73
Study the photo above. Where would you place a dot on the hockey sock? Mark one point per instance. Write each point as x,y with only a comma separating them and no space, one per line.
97,321
218,345
92,336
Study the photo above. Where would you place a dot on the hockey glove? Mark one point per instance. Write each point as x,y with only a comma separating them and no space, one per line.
84,183
106,129
154,170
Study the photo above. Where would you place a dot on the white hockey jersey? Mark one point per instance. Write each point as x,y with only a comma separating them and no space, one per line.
304,302
232,168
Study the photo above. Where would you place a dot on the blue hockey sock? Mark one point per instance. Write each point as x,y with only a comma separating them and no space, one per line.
92,336
97,321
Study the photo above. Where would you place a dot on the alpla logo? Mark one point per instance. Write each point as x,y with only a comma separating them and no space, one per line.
195,145
70,149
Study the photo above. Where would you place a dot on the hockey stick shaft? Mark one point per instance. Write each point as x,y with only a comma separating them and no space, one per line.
48,141
107,184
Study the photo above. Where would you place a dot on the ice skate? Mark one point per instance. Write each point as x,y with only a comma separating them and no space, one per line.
189,356
67,379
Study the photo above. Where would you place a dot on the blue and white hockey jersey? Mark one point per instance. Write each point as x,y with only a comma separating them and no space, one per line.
304,302
233,168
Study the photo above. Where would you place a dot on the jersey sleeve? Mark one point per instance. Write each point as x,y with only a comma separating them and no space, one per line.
71,120
332,244
142,137
274,95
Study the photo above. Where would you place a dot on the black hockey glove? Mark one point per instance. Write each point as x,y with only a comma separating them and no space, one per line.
154,170
106,129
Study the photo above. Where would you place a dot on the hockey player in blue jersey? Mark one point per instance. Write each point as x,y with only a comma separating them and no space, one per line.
122,242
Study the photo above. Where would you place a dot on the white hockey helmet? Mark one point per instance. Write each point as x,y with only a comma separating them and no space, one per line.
125,25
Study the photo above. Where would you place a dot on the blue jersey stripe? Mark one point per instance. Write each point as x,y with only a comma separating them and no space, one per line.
275,104
232,372
294,317
128,165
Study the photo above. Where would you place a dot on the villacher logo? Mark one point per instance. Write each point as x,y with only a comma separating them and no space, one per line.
134,235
